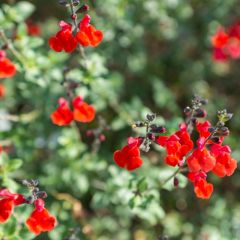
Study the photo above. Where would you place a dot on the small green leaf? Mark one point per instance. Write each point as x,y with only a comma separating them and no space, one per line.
14,164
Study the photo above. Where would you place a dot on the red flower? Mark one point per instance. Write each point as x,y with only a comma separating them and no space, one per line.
203,189
201,159
40,220
32,28
225,165
220,39
64,40
129,156
234,30
177,145
6,209
7,68
63,115
7,203
88,35
2,90
233,48
203,129
219,55
83,112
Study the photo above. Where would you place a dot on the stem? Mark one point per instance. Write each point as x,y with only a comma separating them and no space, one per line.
171,176
80,48
11,47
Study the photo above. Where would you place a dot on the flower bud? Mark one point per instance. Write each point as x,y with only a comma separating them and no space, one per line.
187,111
151,117
175,182
151,136
84,8
200,113
102,137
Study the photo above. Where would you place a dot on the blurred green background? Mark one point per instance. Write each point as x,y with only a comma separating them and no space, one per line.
154,57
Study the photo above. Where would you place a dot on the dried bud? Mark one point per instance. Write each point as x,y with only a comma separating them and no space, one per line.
200,113
84,8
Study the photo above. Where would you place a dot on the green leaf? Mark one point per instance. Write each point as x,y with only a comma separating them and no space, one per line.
14,164
24,9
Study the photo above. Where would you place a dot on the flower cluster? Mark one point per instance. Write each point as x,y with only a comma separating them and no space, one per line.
129,156
40,219
226,43
86,35
198,158
82,112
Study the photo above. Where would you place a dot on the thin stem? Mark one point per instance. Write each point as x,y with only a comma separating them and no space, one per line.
80,48
11,47
171,176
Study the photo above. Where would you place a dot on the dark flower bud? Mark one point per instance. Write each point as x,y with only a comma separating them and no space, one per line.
102,137
74,16
157,129
151,136
175,182
89,133
215,140
187,111
224,131
194,121
200,113
76,2
211,129
151,117
30,200
83,8
41,194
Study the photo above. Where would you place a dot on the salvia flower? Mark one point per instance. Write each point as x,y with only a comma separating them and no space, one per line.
63,115
7,68
64,39
226,43
87,34
7,202
40,219
129,156
82,112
